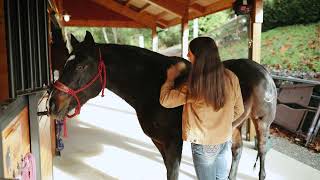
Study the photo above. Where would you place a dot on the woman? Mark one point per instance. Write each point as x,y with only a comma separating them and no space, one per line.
212,101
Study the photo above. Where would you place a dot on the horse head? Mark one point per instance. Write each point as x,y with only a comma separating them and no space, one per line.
81,67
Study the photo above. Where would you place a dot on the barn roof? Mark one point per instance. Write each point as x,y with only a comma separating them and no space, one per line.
136,13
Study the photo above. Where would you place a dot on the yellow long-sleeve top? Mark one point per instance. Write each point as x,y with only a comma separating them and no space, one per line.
201,124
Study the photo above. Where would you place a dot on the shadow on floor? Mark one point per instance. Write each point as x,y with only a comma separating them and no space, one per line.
86,135
246,177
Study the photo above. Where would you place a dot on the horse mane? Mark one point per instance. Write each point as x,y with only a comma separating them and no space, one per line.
147,56
142,52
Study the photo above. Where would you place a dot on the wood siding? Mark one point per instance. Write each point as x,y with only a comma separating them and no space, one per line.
4,90
15,143
45,141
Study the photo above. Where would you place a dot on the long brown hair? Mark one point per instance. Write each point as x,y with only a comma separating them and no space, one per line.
207,80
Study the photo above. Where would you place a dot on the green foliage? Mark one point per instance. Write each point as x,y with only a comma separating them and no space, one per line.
169,37
80,32
234,50
288,12
172,36
294,47
213,21
123,35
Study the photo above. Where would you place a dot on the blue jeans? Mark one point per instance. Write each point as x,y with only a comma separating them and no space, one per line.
211,161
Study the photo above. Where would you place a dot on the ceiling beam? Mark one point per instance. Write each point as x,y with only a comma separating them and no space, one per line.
193,1
162,23
128,3
218,6
160,15
104,23
214,7
144,7
171,6
142,18
198,8
174,21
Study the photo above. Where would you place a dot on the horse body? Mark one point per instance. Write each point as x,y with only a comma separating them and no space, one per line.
259,97
136,75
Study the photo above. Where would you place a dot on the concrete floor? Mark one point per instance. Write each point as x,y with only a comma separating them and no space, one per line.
106,142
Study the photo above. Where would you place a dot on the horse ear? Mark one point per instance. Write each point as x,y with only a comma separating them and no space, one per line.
88,39
74,41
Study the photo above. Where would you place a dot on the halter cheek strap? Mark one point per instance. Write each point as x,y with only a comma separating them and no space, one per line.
64,88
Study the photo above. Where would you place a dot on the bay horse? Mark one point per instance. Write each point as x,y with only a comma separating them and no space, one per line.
136,75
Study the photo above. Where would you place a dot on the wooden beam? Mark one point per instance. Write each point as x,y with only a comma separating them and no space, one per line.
256,19
218,6
127,3
143,8
184,41
215,7
171,6
142,18
175,21
195,28
160,15
162,23
255,49
185,33
193,1
60,6
53,5
255,27
104,23
198,8
257,11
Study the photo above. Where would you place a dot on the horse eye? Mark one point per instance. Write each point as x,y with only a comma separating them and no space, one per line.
80,68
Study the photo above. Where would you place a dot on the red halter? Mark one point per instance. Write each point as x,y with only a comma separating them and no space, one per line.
62,87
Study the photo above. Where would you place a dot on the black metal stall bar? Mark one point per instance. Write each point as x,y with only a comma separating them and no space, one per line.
27,42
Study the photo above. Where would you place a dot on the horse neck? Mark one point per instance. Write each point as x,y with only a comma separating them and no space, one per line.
125,76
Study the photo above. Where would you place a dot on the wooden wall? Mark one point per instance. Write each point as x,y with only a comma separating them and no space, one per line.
4,90
15,143
45,141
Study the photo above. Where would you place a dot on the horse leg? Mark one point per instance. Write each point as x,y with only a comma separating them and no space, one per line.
236,149
171,154
262,126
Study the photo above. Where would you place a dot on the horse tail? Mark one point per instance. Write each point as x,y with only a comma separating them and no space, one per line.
255,164
245,114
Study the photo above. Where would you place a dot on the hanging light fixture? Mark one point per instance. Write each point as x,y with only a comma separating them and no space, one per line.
66,17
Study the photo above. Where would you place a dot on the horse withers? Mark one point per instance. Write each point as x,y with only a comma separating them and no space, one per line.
130,68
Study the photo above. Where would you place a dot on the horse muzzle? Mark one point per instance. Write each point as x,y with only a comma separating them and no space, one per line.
59,105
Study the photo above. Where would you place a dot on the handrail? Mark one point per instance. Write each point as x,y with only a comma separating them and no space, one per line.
313,82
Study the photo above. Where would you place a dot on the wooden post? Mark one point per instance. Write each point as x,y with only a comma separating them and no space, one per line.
155,39
35,133
184,41
195,28
255,26
185,32
256,19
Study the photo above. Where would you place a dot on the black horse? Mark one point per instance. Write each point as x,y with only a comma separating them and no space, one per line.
136,75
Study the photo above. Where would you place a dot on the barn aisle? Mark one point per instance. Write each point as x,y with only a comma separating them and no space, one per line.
106,143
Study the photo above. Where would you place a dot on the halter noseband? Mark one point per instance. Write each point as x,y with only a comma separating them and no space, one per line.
62,87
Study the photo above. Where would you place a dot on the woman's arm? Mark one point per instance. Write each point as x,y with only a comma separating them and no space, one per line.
170,97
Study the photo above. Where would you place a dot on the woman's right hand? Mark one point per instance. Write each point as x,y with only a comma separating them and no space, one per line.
174,71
